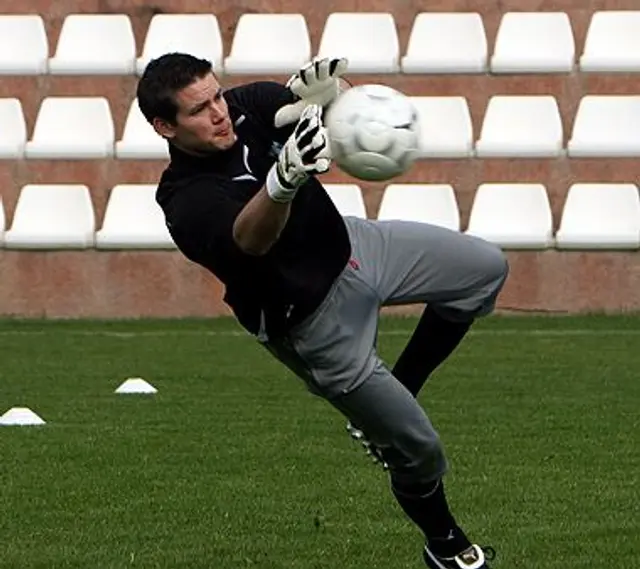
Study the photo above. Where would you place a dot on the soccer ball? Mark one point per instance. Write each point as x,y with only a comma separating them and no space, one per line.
373,132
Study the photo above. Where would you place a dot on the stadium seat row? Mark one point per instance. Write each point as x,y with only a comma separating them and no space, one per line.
513,126
526,42
514,216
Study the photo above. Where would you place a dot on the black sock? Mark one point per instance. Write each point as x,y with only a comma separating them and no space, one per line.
431,343
427,507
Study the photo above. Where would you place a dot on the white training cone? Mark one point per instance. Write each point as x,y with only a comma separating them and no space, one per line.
136,385
20,416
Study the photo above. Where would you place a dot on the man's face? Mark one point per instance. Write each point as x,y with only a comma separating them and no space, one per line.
202,122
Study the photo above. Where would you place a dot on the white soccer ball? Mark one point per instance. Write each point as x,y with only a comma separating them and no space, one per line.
373,131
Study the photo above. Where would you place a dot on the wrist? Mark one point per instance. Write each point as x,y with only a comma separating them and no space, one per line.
277,188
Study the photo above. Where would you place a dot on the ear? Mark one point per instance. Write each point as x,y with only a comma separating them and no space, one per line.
164,128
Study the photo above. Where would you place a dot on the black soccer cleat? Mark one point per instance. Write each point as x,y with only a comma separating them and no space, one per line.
370,449
474,557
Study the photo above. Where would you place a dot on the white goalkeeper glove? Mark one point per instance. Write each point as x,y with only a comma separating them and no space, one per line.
305,154
318,82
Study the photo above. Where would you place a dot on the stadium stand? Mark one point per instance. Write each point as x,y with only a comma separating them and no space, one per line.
446,128
72,128
600,216
95,44
24,46
348,199
133,220
446,43
198,34
514,216
534,42
530,138
521,126
428,203
269,43
13,135
52,217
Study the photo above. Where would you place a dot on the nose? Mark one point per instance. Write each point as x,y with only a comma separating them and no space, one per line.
217,113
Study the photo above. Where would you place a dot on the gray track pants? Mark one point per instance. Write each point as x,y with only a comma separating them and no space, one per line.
334,349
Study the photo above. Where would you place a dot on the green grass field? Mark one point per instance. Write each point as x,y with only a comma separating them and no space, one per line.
234,465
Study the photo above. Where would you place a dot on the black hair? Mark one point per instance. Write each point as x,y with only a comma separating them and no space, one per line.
163,77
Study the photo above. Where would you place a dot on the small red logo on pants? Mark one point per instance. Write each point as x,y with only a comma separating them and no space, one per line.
354,264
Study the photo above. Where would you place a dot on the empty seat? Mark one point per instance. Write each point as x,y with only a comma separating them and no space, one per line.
606,126
269,43
600,216
534,42
368,39
72,128
426,203
52,216
521,126
139,139
13,132
3,221
612,42
514,216
348,199
446,43
24,46
196,34
133,220
446,130
95,44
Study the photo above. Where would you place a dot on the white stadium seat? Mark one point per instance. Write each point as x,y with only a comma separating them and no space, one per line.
612,43
368,39
348,199
196,34
95,44
72,128
427,203
3,221
521,126
52,216
13,132
269,43
513,216
534,42
446,130
133,220
446,43
600,216
606,126
24,46
139,139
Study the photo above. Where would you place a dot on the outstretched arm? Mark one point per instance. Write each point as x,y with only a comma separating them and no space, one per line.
306,153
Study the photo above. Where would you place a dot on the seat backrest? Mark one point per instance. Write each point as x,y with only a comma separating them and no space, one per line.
521,125
24,45
368,39
196,34
446,42
534,42
427,203
612,42
95,43
269,43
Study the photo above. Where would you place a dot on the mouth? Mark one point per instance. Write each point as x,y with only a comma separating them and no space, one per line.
223,132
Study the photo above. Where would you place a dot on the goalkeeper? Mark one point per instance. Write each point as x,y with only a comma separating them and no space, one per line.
241,198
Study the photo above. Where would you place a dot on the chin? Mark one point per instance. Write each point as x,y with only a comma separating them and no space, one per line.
227,142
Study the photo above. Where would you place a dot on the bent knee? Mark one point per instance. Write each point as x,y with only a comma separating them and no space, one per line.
416,461
495,268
